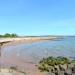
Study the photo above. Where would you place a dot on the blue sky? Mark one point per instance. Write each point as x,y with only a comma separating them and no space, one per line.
37,17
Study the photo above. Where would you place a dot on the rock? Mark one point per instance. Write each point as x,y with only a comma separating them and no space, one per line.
56,66
56,73
50,73
61,73
68,72
61,68
73,69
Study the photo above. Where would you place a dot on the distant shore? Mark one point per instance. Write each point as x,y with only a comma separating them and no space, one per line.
25,40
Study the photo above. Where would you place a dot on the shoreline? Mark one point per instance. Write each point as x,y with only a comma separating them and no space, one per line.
16,41
29,68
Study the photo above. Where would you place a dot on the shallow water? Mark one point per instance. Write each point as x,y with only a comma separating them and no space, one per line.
35,51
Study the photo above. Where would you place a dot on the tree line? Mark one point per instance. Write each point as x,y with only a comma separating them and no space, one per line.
8,35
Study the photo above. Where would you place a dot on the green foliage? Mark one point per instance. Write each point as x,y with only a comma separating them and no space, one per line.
14,35
45,63
43,67
8,35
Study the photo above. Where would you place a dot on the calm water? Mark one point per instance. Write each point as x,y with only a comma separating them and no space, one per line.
35,51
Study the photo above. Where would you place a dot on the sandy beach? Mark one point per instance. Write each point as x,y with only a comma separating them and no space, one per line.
30,68
15,41
10,57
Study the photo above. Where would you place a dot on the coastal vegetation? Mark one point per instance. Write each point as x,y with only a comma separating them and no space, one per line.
46,63
57,66
8,35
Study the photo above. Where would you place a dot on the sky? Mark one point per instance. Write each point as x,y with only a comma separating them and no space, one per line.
37,17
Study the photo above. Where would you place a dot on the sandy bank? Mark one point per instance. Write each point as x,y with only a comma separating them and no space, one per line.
15,41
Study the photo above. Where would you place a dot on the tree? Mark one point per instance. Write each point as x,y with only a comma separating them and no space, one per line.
7,35
14,35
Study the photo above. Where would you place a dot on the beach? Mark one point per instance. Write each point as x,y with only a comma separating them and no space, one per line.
24,53
29,67
25,40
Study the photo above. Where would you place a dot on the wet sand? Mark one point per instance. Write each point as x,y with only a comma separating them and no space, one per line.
26,64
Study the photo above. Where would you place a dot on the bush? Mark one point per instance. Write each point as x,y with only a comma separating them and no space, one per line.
9,35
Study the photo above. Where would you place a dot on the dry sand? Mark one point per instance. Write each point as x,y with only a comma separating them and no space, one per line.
15,41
